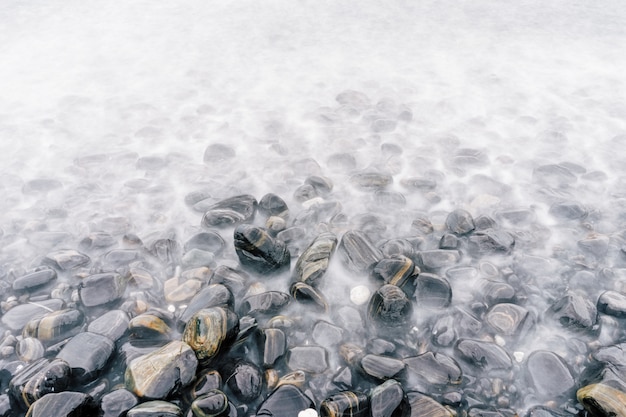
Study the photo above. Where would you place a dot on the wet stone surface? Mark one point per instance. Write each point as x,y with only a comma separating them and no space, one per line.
374,277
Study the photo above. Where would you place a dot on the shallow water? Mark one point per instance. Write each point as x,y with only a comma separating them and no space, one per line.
114,105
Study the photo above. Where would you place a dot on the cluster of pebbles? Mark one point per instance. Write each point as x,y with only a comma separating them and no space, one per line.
293,303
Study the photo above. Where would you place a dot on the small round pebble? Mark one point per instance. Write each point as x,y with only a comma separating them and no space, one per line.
360,294
309,412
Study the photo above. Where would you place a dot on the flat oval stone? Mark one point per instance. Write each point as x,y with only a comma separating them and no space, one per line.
34,279
155,409
483,355
63,404
55,326
17,317
313,359
159,373
381,367
231,211
549,374
87,354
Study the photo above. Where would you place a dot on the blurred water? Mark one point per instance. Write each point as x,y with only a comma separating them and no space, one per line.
90,89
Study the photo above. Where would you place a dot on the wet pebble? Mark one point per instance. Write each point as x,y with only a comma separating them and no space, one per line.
312,359
17,317
231,211
66,259
99,289
612,303
64,404
389,400
244,380
345,404
313,262
260,252
438,258
155,409
87,354
382,367
389,307
117,402
112,324
358,251
34,279
575,311
159,373
460,222
209,331
549,374
432,291
285,401
484,355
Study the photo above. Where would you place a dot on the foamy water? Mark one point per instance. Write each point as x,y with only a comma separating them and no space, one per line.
118,102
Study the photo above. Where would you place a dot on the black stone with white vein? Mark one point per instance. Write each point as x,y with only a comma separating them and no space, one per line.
38,379
389,307
358,251
260,252
64,404
345,404
231,211
313,262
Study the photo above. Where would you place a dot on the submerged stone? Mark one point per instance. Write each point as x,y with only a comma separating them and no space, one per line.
285,401
87,354
161,372
549,374
260,252
231,211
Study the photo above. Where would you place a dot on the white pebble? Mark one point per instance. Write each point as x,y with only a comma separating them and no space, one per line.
359,294
309,412
519,356
499,340
171,308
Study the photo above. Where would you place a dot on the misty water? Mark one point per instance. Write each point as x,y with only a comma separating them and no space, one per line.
132,118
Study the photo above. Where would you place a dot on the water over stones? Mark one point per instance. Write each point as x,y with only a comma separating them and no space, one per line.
87,354
34,280
260,252
17,317
38,379
549,374
99,289
285,401
358,251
